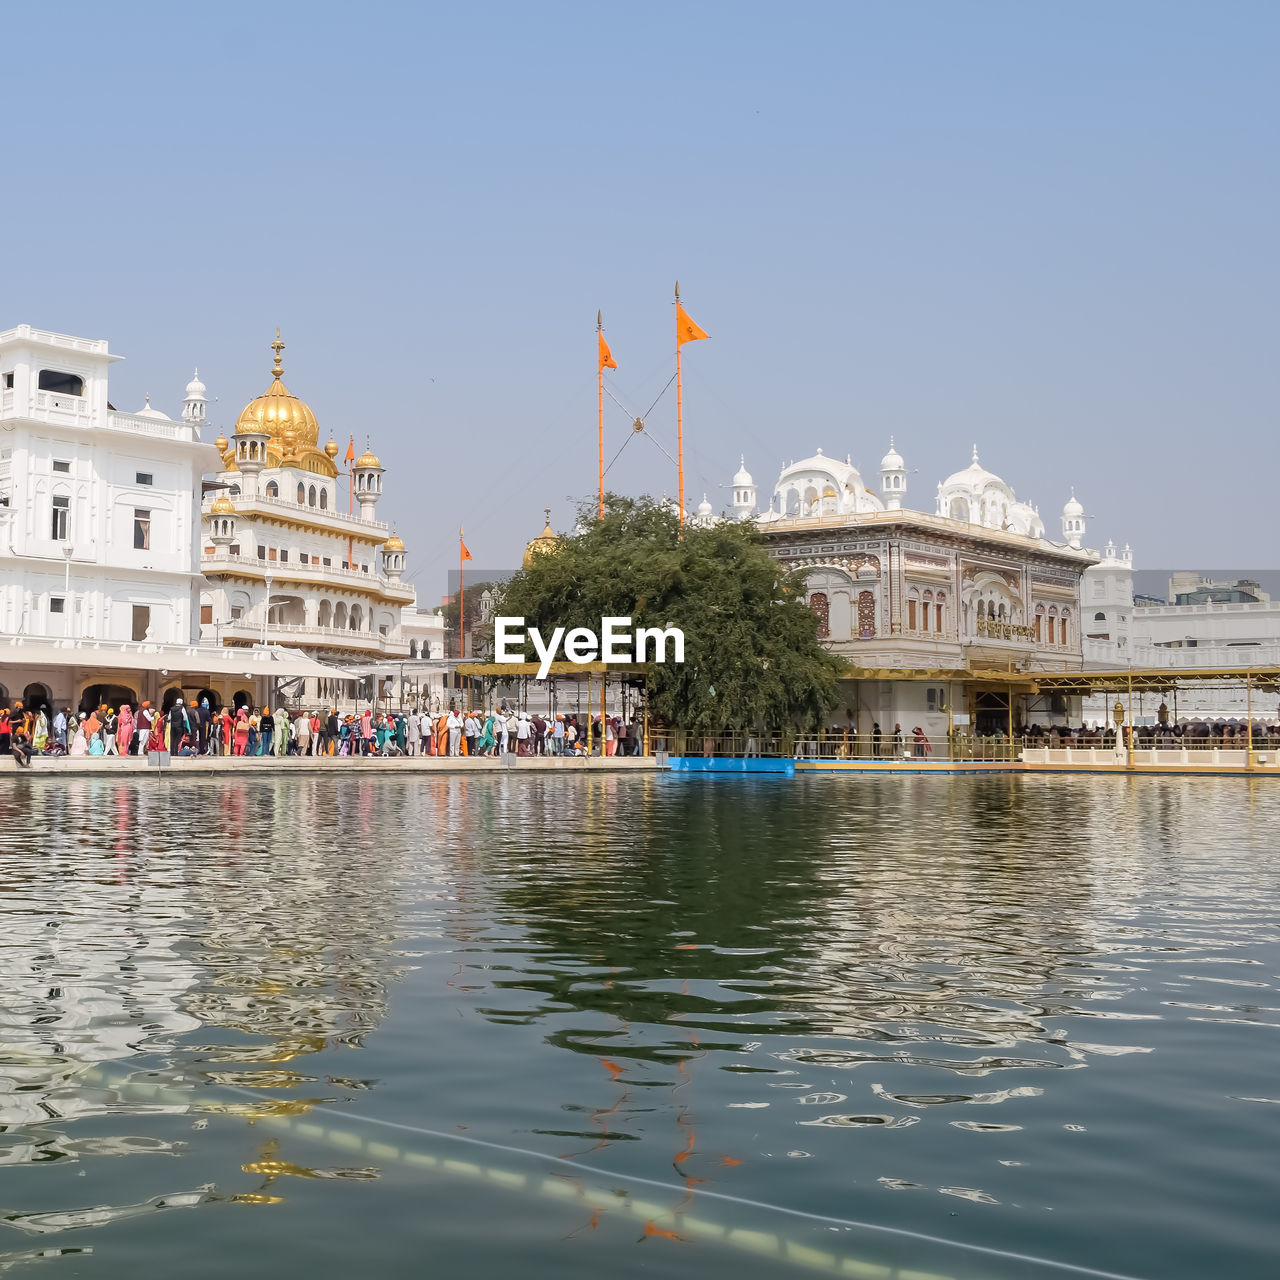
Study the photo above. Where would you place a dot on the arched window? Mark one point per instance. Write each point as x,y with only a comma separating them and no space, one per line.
67,384
340,616
925,606
821,607
234,491
1064,630
324,499
866,615
311,496
325,616
302,493
939,614
913,606
1099,617
357,617
273,489
1039,621
1052,625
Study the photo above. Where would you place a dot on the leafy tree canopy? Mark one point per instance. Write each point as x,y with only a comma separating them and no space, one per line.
752,656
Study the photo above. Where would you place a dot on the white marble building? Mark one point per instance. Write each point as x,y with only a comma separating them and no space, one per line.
293,552
922,603
100,508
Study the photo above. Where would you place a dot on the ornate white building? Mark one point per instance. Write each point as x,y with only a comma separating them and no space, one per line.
293,552
930,600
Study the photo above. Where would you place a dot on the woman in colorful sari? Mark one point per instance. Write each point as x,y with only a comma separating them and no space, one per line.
484,744
281,743
242,732
124,730
402,733
79,744
40,731
92,727
442,735
156,738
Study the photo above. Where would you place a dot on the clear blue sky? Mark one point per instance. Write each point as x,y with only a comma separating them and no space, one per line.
1050,229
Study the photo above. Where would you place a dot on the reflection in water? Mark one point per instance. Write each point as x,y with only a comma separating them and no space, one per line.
989,992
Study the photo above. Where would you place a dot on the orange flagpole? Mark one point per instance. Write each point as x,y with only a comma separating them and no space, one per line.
462,602
679,412
600,403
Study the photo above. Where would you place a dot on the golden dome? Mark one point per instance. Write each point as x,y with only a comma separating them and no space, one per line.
546,541
368,459
221,443
331,448
222,506
286,419
393,543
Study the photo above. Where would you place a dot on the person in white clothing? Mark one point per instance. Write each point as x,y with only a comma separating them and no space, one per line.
454,724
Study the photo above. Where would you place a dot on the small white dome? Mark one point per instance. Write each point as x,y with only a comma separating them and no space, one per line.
148,412
743,476
892,461
1073,508
974,476
195,387
705,509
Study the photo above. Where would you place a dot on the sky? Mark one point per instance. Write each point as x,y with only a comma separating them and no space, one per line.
1050,230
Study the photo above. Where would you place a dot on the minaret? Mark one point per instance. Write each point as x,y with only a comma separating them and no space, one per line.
193,407
893,479
1073,523
367,474
744,491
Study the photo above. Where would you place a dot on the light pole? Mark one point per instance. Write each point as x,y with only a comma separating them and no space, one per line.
68,620
266,608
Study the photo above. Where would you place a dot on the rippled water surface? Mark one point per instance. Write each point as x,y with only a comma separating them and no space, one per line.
566,1026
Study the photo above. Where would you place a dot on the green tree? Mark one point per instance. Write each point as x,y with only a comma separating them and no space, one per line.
752,657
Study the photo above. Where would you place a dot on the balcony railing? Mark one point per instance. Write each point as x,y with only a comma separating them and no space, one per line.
302,633
302,509
317,573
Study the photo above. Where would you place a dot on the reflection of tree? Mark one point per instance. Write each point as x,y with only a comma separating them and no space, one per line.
798,910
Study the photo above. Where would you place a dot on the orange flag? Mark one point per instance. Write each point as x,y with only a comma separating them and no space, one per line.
605,355
464,554
351,451
686,330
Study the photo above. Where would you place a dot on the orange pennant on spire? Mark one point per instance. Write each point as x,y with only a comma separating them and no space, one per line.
351,451
463,553
686,330
606,360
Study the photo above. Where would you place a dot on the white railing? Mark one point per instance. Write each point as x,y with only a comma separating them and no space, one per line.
97,346
148,426
302,509
290,569
303,632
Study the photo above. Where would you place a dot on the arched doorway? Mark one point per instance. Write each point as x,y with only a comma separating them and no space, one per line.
241,698
112,695
169,697
215,702
35,696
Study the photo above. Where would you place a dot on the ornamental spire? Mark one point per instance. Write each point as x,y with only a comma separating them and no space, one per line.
277,346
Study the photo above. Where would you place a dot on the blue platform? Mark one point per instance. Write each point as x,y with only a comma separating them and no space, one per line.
733,764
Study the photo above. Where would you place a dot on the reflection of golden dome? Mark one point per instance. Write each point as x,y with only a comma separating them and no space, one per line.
368,459
393,543
331,448
222,506
221,443
546,541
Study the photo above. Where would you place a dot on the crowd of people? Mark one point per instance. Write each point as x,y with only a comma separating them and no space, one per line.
201,730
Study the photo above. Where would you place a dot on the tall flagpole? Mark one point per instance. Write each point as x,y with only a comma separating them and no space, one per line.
462,602
679,412
600,403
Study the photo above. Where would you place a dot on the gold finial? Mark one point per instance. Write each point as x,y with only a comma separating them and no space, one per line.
599,319
677,290
277,346
547,511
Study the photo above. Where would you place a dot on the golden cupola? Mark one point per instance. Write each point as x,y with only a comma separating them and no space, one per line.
289,423
546,541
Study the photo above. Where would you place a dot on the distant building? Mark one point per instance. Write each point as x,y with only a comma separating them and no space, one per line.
973,586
